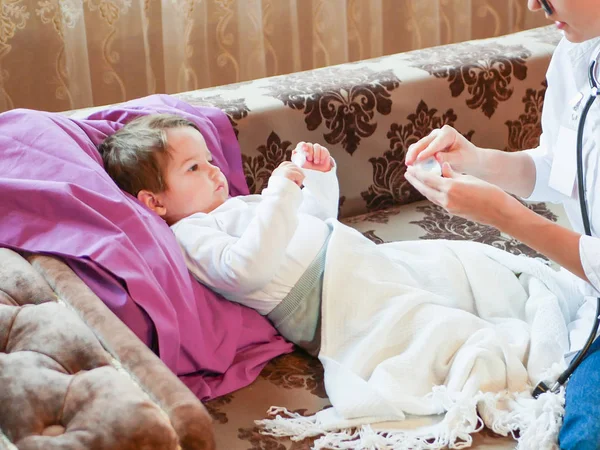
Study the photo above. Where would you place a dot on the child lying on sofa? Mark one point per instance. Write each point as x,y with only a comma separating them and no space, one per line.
389,322
257,250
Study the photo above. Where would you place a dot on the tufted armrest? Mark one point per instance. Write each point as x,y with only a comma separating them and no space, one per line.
72,376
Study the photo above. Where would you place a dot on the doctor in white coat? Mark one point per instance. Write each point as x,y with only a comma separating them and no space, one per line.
476,182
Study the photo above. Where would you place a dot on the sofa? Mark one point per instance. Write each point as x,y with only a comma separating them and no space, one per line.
367,113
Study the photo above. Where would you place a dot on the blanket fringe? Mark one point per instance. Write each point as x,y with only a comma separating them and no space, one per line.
298,427
533,423
289,424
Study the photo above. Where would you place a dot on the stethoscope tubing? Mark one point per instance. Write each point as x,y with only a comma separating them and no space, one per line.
562,379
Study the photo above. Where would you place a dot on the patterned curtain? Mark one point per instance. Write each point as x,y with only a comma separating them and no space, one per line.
64,54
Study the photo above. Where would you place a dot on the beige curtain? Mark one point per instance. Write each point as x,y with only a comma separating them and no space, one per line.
65,54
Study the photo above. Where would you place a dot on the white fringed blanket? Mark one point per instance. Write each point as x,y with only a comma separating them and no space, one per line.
457,331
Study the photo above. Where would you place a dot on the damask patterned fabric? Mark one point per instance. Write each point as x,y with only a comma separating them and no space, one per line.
368,113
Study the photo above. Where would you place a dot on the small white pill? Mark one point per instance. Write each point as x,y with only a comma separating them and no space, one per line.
429,165
299,158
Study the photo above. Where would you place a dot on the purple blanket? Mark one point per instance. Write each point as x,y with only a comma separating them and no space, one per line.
57,199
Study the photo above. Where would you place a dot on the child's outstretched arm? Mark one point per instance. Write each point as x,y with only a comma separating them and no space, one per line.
243,261
321,189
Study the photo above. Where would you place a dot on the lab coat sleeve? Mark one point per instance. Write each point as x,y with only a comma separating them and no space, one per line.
589,252
543,165
551,113
242,264
321,193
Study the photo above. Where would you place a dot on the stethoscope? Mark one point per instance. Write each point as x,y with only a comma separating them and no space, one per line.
593,79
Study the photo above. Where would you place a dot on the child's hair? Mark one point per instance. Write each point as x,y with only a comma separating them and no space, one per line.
135,155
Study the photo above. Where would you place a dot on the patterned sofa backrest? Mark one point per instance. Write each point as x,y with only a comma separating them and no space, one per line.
368,113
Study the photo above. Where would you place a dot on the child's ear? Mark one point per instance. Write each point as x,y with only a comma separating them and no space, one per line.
152,201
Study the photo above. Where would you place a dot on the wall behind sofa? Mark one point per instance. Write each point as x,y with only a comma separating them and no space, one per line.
65,54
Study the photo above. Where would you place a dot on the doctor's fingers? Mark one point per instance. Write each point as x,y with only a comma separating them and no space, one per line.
430,179
415,149
439,140
455,192
437,196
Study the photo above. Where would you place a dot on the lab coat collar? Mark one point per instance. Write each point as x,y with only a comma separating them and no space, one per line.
581,53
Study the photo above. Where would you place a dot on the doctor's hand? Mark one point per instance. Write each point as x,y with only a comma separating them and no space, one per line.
446,145
317,156
463,195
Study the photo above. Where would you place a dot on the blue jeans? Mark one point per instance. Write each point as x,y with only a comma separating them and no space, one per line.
581,425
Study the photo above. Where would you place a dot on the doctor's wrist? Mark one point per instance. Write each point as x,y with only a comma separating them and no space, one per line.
481,163
510,213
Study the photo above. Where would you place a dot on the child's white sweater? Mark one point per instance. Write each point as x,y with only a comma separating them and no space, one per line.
254,248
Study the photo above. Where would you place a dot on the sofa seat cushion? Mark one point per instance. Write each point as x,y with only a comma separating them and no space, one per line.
295,381
424,220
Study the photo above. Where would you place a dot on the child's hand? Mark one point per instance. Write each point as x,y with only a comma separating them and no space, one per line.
290,171
317,156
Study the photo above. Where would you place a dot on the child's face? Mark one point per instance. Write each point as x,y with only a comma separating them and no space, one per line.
194,184
579,19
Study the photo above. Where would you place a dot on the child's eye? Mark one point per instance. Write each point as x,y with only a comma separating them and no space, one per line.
193,168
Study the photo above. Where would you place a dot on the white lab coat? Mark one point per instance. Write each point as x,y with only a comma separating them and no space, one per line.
567,78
